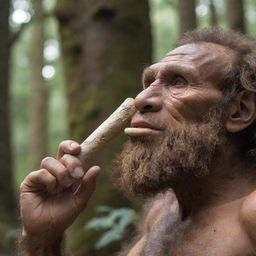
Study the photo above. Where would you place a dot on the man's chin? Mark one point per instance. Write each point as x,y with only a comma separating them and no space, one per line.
142,168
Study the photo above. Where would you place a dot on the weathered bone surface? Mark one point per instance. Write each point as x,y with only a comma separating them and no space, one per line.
134,132
110,128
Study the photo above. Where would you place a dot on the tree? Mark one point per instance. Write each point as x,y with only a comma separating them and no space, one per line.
235,15
105,45
7,195
38,93
7,207
187,15
213,14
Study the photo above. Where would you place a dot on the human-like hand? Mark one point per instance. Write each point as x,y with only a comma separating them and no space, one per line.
48,203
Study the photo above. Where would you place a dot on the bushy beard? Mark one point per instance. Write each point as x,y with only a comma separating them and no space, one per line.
150,164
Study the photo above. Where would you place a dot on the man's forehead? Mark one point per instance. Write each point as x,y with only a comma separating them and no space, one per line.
197,50
206,60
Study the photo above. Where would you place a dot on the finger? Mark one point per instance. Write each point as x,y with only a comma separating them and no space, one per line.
87,187
37,181
74,166
58,170
68,147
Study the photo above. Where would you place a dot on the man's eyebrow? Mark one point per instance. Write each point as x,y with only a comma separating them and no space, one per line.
172,68
148,71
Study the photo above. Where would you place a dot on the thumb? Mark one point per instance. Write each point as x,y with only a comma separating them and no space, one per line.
87,187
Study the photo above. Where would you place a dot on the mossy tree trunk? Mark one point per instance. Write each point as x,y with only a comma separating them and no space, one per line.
235,15
105,46
213,14
38,93
7,196
187,15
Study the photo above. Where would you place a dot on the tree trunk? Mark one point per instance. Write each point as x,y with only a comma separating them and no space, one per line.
38,96
213,14
187,15
235,15
7,206
105,45
7,196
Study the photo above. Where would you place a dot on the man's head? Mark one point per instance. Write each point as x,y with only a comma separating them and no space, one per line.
196,97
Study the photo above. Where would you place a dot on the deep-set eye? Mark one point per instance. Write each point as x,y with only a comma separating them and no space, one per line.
179,81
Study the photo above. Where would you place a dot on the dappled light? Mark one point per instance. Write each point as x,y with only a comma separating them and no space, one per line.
64,67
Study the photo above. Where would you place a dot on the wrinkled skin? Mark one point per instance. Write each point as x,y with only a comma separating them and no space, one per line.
210,215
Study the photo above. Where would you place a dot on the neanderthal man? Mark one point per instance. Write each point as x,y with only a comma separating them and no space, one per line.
197,158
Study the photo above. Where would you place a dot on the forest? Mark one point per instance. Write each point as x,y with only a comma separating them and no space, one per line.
64,67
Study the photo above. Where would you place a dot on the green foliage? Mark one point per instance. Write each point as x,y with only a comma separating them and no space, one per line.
115,223
9,235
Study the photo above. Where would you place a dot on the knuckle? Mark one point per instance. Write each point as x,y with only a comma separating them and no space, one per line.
64,144
43,172
65,157
46,160
21,186
70,159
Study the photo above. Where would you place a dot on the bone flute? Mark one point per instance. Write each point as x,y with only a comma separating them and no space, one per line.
109,129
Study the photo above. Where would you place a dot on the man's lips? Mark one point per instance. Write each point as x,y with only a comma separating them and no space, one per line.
141,128
142,124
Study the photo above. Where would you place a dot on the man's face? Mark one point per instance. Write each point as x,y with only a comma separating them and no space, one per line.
181,108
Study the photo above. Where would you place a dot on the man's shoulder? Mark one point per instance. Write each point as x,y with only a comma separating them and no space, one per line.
248,215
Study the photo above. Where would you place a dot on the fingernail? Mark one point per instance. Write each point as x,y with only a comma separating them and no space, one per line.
78,172
74,145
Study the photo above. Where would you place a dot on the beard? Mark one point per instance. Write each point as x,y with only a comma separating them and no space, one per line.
152,164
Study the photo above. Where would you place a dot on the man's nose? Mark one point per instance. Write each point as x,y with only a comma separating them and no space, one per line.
149,100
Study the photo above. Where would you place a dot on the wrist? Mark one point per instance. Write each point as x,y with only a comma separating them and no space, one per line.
40,245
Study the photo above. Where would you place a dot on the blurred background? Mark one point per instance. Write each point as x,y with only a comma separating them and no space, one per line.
64,67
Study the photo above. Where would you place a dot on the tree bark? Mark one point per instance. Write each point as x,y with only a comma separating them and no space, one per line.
8,212
187,15
235,15
213,14
38,96
8,205
105,46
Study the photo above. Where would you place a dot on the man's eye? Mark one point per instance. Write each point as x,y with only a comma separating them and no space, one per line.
179,81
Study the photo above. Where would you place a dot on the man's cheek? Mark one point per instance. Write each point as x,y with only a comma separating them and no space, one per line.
181,110
191,105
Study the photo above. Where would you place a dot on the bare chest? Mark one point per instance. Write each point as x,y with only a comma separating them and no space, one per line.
170,236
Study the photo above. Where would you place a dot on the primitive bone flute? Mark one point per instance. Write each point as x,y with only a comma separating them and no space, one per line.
109,129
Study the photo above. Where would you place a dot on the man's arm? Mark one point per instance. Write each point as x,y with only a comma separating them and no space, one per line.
41,246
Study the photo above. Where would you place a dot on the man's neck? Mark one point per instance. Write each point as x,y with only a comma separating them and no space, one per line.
225,184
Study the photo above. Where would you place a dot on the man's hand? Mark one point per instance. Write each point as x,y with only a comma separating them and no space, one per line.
47,201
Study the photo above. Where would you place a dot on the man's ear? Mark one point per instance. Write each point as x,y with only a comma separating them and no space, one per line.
241,112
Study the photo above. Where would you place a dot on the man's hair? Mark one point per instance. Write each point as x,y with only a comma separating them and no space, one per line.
241,75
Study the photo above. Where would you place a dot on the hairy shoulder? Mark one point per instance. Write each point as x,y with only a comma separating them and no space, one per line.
248,215
152,211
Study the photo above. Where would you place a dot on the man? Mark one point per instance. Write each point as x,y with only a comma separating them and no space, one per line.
197,155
